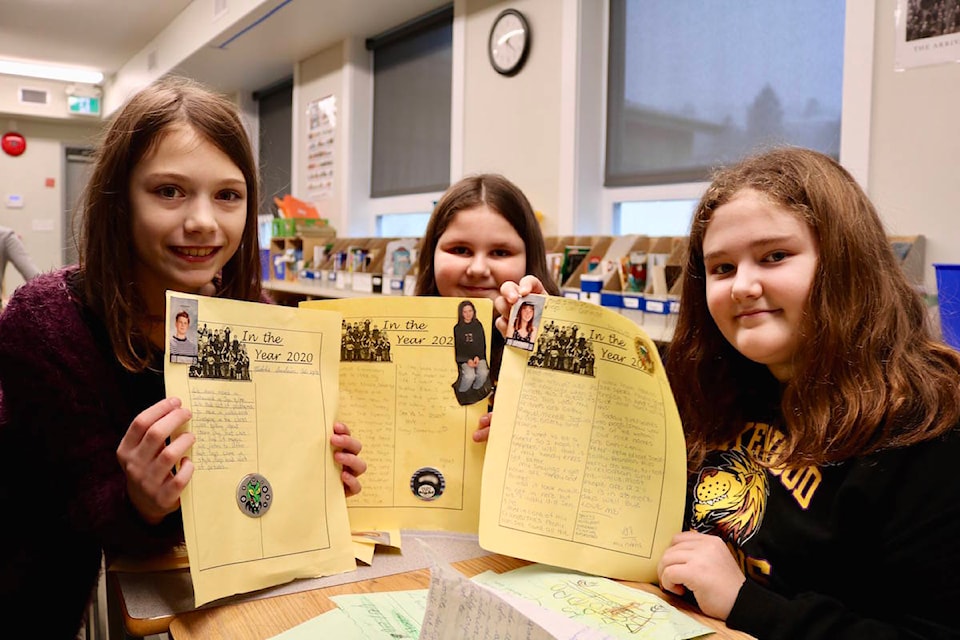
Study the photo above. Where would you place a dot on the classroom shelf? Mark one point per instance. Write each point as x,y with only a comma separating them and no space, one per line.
310,291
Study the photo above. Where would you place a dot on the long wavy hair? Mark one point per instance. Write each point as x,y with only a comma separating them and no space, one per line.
519,323
501,196
869,373
106,248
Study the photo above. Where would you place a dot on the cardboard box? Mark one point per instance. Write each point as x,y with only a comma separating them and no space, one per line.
909,251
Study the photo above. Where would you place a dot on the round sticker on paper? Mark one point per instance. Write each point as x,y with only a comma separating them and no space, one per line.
254,495
427,483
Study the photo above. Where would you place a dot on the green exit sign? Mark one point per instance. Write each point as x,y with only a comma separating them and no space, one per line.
84,105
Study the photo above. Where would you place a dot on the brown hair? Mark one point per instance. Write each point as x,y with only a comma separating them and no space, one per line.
106,242
518,323
869,373
500,195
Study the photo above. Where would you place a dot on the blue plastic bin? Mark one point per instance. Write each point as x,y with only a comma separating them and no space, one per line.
948,298
265,264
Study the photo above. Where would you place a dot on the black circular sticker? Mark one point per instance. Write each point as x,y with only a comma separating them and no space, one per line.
254,495
427,483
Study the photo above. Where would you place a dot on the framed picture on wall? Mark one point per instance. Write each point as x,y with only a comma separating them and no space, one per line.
928,32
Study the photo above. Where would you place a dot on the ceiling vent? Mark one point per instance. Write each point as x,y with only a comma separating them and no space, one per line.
34,96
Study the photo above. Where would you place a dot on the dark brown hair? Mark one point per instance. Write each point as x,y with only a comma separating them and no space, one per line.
106,242
501,196
869,373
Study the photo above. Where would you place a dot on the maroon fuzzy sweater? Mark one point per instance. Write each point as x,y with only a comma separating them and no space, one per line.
65,404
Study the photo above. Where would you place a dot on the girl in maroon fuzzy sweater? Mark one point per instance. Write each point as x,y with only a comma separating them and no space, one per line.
84,424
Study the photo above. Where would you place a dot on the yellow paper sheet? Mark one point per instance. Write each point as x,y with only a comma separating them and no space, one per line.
265,404
363,550
386,538
402,405
585,466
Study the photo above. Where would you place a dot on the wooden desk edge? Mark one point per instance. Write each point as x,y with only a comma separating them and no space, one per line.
268,617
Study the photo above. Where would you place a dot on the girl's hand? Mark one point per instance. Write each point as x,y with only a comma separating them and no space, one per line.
483,428
346,450
147,459
510,292
702,564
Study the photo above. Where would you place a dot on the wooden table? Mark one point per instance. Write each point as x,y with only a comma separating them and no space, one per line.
258,619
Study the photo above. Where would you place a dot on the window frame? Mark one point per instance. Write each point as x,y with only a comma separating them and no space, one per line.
367,209
859,27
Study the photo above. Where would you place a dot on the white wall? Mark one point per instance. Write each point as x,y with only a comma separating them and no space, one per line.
40,221
915,147
512,124
527,126
516,126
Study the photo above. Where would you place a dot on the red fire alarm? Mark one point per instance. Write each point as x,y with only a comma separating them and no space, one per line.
13,144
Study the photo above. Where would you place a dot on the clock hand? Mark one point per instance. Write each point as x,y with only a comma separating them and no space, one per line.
508,35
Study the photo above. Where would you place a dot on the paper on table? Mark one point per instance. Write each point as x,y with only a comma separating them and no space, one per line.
384,537
459,608
401,404
389,615
363,550
586,465
263,394
332,624
616,609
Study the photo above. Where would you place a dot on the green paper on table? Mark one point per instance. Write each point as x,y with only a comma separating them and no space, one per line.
536,596
616,609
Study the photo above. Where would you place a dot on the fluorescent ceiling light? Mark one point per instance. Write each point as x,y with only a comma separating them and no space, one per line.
50,72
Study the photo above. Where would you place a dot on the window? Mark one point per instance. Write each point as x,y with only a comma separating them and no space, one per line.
275,112
653,217
627,179
402,225
412,88
695,84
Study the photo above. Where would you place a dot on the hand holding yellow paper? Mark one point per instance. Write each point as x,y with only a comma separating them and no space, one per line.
265,504
586,464
400,393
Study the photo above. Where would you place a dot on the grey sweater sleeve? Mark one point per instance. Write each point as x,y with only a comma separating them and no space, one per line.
12,250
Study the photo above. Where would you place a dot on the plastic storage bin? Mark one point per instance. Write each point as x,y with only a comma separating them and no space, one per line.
948,298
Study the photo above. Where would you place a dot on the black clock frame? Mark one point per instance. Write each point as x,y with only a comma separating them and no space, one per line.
526,48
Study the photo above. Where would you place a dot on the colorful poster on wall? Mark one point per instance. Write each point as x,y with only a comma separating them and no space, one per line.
321,128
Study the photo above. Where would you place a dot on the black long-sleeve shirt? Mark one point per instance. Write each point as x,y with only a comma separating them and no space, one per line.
867,548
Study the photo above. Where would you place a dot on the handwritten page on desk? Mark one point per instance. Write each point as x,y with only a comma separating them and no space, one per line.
460,608
262,389
423,467
585,466
332,624
608,606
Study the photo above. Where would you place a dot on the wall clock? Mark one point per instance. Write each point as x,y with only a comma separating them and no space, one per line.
509,42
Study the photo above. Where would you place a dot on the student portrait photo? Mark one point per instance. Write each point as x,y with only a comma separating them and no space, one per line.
473,382
183,340
524,322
